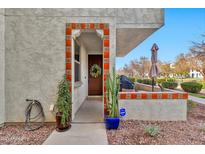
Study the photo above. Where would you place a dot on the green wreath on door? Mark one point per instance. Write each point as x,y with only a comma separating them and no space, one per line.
95,71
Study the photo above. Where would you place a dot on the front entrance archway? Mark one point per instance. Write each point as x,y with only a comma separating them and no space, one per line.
104,27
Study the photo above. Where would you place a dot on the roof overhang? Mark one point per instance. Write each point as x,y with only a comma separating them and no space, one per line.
134,26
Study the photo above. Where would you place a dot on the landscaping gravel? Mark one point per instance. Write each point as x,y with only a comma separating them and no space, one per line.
15,134
191,131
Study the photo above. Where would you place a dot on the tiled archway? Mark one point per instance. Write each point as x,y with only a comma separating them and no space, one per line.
106,50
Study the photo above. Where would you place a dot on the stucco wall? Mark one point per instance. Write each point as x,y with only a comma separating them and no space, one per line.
2,68
81,92
35,62
150,109
35,53
35,59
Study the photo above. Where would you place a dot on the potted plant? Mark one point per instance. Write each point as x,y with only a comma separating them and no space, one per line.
112,120
63,105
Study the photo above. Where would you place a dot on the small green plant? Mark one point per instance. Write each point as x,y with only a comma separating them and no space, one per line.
64,103
112,89
192,87
203,129
152,130
191,104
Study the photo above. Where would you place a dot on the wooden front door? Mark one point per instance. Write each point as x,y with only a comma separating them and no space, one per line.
95,84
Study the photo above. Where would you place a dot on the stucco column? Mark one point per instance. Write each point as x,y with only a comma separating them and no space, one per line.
2,68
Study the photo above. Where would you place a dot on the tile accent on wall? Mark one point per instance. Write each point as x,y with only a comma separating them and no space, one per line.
153,95
106,48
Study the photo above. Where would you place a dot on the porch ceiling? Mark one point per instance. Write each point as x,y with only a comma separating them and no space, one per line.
91,41
130,38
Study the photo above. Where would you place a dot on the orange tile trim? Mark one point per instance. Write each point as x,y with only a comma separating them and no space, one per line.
106,45
149,95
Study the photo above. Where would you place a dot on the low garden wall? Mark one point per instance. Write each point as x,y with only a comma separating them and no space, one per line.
162,106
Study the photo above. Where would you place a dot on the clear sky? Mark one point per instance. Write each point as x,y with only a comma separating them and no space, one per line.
182,26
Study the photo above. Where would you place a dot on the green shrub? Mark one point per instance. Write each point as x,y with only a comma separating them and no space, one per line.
203,128
169,84
152,130
203,83
64,103
139,80
192,87
133,79
146,81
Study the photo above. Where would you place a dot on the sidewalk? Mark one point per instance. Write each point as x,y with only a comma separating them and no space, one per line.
87,128
197,100
203,91
79,134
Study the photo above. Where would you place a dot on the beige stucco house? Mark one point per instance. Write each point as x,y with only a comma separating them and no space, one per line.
38,46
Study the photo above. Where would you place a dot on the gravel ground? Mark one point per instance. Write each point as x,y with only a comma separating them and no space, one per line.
191,131
15,134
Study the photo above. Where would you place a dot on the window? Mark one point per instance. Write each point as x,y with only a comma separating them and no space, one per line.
77,61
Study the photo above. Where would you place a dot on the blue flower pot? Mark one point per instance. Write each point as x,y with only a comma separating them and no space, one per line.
112,123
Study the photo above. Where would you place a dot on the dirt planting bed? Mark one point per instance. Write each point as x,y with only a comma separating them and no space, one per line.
191,131
15,134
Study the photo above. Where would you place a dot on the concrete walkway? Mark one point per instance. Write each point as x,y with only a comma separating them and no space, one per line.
90,111
197,100
87,127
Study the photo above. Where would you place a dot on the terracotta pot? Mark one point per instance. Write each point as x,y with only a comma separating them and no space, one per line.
59,126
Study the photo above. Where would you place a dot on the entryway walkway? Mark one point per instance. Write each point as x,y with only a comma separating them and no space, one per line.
91,111
87,127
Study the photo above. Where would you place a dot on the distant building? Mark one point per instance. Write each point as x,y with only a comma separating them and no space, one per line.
195,74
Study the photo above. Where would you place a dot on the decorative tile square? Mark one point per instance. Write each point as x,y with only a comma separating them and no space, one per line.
68,66
83,25
68,54
73,25
106,31
122,96
106,54
154,96
175,96
101,25
106,43
164,96
144,96
185,95
92,25
133,95
68,77
68,31
106,66
68,42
